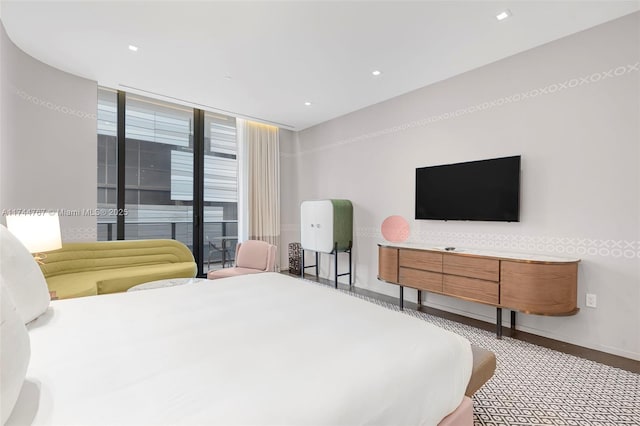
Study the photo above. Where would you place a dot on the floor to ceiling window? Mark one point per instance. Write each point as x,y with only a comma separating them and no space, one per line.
159,172
158,169
220,189
107,163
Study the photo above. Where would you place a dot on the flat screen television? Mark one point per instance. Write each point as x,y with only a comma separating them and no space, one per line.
486,190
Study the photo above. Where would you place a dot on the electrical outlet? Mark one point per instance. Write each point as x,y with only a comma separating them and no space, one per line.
591,300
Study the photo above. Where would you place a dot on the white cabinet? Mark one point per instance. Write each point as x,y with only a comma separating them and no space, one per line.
326,224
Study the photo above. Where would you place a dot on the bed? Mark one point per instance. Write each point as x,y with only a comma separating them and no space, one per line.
259,349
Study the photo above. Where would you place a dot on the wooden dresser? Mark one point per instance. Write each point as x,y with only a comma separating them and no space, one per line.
533,284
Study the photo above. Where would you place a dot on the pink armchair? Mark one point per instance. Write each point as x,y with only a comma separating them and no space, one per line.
252,257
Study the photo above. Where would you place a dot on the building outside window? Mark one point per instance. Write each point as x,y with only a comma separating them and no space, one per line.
220,188
159,174
107,162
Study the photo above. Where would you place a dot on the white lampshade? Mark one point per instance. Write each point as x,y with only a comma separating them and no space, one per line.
38,233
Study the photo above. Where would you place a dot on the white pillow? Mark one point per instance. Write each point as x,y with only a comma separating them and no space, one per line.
22,277
15,350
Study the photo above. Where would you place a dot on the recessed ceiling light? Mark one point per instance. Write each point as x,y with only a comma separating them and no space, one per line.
133,48
307,103
376,73
503,15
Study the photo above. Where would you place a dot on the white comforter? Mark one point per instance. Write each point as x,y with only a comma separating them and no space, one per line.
259,349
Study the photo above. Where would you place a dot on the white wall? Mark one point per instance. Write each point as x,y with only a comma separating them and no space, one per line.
48,142
571,108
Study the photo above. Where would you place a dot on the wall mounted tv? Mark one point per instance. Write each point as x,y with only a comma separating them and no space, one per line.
486,190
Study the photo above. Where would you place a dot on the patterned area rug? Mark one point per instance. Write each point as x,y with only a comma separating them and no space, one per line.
533,385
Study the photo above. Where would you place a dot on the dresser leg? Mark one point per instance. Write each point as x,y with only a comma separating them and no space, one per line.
499,323
401,298
513,320
419,298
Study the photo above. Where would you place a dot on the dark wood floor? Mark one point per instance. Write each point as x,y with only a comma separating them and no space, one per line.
590,354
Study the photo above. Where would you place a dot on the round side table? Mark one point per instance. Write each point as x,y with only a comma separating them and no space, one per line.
171,282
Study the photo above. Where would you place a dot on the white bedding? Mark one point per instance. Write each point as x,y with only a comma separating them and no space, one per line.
256,349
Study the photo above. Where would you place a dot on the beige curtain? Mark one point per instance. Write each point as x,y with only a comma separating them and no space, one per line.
263,183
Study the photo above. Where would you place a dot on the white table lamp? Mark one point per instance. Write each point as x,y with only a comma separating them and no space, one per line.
38,233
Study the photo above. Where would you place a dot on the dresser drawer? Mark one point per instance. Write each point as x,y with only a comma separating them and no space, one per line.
473,267
424,260
471,288
422,280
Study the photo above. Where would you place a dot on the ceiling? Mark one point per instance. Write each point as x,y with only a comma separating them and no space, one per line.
265,59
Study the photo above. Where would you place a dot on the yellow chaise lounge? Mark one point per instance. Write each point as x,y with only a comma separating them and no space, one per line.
86,269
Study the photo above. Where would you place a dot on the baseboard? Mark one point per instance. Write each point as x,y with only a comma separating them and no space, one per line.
538,332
